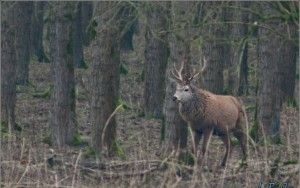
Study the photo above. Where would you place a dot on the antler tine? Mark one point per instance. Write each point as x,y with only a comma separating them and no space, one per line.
176,76
205,65
181,67
179,76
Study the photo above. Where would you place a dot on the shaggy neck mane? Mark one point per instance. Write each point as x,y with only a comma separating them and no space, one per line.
197,106
202,96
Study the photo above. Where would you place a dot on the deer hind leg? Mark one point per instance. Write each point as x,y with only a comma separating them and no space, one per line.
241,134
207,135
242,137
227,142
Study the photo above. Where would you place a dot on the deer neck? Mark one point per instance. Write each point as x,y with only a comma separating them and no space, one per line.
194,109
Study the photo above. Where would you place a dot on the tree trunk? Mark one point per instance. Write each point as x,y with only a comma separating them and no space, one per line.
77,34
23,40
105,75
156,57
8,64
287,66
214,51
269,92
177,129
86,16
37,30
63,118
238,50
213,77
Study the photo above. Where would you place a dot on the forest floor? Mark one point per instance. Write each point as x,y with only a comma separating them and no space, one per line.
29,160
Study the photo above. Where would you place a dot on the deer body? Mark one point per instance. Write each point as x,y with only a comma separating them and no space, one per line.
208,114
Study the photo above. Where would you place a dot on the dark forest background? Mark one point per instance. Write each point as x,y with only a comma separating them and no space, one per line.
86,91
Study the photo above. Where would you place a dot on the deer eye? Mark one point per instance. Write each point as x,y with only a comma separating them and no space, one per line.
186,89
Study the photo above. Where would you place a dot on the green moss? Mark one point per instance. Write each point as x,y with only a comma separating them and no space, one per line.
82,64
69,16
73,93
123,69
290,162
254,130
78,141
291,102
4,127
250,108
44,94
277,140
119,101
118,150
186,158
235,142
91,30
47,139
89,152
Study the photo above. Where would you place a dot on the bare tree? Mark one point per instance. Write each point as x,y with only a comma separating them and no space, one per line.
23,40
37,32
8,63
105,74
86,14
77,34
63,118
213,50
269,94
180,44
156,57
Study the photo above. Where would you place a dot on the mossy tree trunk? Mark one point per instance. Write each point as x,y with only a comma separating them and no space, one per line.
156,57
214,51
176,127
269,88
77,34
23,40
86,14
63,118
37,31
287,66
8,64
105,74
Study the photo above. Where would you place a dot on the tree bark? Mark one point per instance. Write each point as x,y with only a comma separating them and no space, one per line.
176,127
86,14
105,75
8,64
214,51
37,31
23,40
63,117
156,57
269,88
287,66
77,34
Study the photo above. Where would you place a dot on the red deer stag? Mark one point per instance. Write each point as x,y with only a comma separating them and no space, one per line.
210,114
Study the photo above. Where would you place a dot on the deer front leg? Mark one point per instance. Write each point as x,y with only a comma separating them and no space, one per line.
196,140
207,135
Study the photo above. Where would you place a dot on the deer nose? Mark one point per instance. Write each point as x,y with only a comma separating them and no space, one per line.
174,98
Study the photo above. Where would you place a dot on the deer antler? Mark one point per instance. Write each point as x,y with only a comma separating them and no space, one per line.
178,73
195,74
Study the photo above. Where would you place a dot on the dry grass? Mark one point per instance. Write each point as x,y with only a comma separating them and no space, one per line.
27,159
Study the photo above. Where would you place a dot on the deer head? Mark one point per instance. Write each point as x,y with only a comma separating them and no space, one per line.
184,91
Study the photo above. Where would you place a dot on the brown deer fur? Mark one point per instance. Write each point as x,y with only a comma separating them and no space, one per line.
208,113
